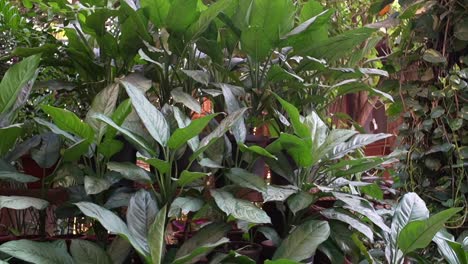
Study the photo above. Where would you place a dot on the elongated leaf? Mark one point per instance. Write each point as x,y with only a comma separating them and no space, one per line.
212,234
257,150
303,241
354,143
56,129
130,171
161,165
419,233
452,251
239,130
304,26
86,252
199,252
38,252
246,179
22,202
240,209
109,221
69,122
299,128
135,139
118,116
182,135
186,99
199,76
48,152
156,236
16,176
104,103
410,208
141,213
9,135
187,177
207,16
153,120
14,79
353,222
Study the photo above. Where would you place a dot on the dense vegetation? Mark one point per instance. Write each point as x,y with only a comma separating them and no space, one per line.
255,120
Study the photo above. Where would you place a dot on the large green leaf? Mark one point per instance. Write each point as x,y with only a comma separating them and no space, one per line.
208,237
22,202
240,209
256,150
75,151
299,128
182,135
69,122
153,120
86,252
418,234
358,141
207,16
130,171
156,11
118,116
299,149
14,79
181,15
179,96
303,241
187,177
156,236
410,208
38,252
104,103
141,212
56,129
350,220
246,179
135,139
9,135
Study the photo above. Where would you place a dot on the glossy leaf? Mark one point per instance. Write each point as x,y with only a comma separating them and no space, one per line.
141,212
22,202
153,119
182,135
303,241
418,234
156,236
246,179
130,171
69,122
240,209
38,252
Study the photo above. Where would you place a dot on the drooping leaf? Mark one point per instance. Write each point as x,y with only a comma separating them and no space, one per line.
186,99
246,179
22,202
87,252
104,103
130,171
141,212
38,252
69,122
156,236
418,234
240,209
303,241
153,119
